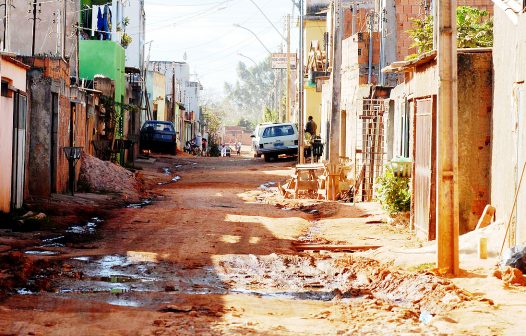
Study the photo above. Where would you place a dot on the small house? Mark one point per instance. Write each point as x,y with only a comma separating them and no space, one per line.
415,128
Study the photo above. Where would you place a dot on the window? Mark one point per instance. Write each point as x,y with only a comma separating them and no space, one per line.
159,127
405,129
276,131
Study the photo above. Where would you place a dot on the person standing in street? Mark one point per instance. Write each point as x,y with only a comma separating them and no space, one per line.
205,146
238,148
311,127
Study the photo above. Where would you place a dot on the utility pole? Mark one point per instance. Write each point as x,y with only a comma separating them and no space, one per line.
34,12
301,124
6,17
288,69
334,138
447,219
371,22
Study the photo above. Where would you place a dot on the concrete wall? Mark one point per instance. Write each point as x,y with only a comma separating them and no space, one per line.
48,78
106,58
157,93
475,104
315,28
509,69
136,29
475,100
54,35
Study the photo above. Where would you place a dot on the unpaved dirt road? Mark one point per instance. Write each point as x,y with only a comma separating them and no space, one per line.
212,256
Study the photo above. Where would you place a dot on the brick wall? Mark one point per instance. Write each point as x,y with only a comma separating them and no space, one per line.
408,9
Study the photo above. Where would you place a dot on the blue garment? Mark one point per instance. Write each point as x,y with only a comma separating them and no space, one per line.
106,19
100,23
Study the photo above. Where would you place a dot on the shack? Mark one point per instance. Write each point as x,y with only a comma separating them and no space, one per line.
415,129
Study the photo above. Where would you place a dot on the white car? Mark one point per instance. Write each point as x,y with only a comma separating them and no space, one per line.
271,140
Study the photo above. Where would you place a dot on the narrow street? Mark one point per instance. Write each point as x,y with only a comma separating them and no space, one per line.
214,254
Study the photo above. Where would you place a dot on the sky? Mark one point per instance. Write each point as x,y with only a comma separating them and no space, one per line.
205,31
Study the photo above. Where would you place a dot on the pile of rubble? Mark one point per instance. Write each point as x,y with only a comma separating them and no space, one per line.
106,177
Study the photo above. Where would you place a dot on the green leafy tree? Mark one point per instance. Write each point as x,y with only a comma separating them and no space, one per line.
247,124
250,94
270,115
213,116
474,29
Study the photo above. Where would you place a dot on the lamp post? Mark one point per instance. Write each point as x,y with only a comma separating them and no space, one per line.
72,155
251,32
249,58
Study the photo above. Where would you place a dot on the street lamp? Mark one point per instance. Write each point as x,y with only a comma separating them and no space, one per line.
240,54
72,155
251,32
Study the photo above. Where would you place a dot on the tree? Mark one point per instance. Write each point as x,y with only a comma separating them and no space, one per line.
270,115
213,116
247,124
252,92
474,29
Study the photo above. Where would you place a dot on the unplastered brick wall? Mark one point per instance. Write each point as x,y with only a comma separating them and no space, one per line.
409,9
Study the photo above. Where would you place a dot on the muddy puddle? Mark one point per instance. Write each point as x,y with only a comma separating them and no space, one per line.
132,279
142,204
135,273
268,186
167,171
77,233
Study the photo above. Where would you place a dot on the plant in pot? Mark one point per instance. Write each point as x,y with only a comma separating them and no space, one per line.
394,194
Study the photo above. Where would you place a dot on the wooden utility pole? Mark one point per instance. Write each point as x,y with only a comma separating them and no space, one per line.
447,139
334,138
288,69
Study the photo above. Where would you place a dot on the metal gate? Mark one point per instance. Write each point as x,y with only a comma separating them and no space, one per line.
370,147
423,167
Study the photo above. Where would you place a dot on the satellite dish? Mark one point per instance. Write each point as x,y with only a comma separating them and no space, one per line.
185,56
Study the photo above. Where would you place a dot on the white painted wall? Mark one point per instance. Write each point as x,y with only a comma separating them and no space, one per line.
136,29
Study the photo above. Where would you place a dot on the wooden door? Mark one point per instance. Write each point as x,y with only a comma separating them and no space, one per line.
423,147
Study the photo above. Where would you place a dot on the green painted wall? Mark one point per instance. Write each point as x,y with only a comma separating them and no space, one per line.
106,58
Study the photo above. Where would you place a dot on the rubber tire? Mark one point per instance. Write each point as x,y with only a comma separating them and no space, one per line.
267,158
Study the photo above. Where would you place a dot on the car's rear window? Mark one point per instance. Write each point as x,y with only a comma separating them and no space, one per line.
276,131
159,127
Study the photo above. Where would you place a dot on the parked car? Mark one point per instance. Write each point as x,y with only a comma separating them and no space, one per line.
159,136
271,140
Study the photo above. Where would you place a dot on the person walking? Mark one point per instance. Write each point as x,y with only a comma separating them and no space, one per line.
205,146
223,150
238,148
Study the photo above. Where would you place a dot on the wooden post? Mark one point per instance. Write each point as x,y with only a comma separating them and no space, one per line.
287,118
447,207
301,74
334,138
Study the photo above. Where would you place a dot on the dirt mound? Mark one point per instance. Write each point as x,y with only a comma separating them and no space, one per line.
326,278
106,177
511,276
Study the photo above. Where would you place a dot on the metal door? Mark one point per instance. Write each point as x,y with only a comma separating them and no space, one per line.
423,166
520,234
